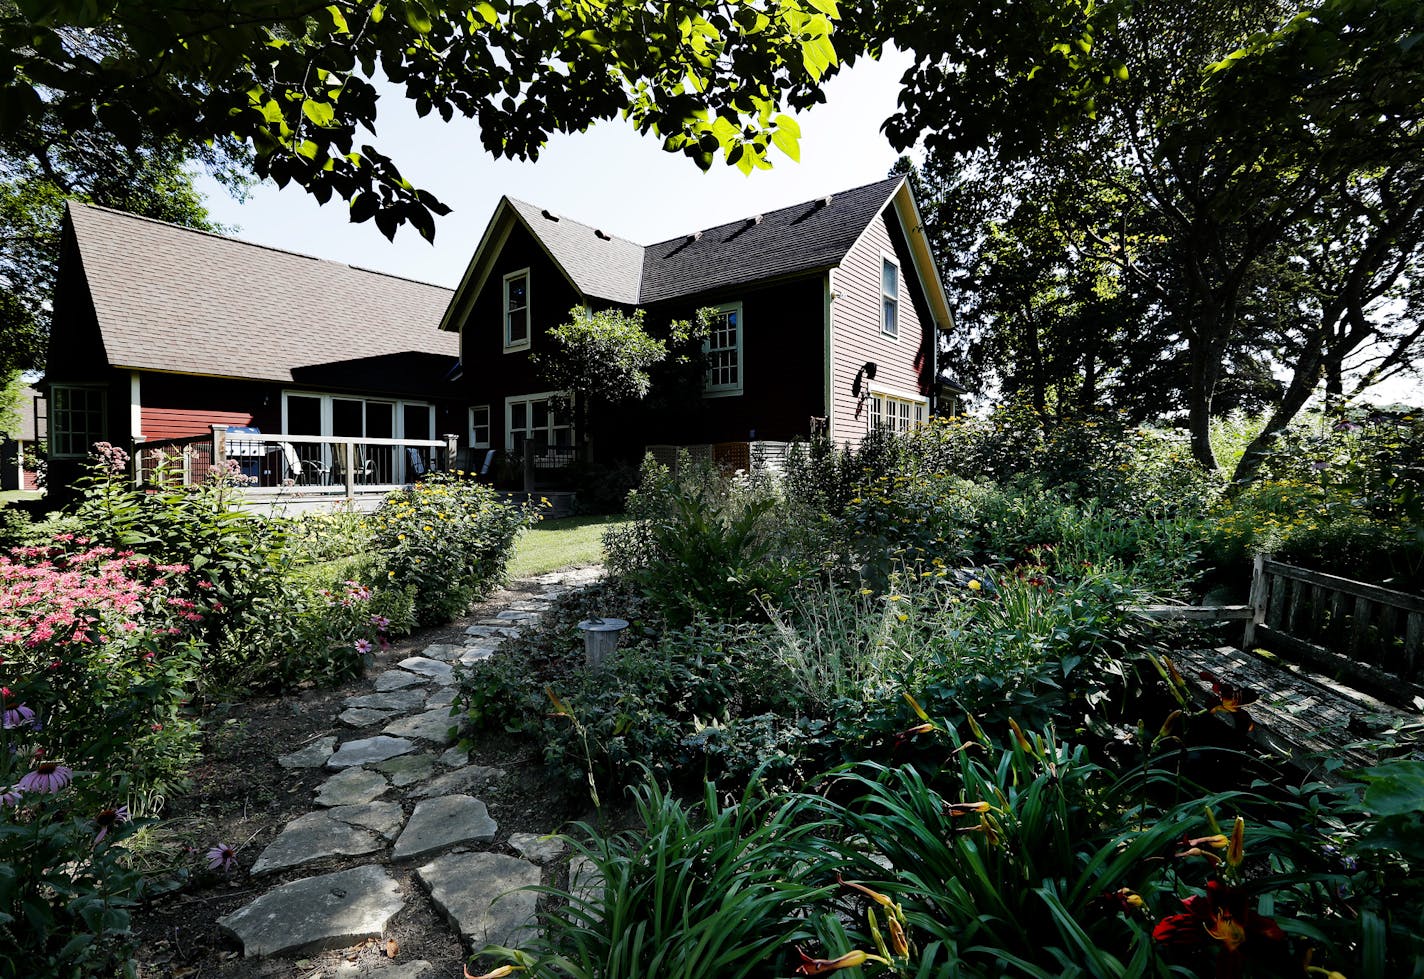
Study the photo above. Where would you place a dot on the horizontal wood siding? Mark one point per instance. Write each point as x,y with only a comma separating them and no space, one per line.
903,364
490,374
177,423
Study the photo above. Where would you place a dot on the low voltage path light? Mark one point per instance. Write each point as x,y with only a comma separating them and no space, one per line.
600,637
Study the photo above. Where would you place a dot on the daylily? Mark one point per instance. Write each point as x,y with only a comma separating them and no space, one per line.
500,973
817,967
1231,700
875,896
966,808
1125,898
1221,916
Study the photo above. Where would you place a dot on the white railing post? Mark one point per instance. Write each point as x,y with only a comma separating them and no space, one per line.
452,446
348,468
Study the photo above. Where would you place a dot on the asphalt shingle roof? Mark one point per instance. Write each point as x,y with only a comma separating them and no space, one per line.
174,299
801,238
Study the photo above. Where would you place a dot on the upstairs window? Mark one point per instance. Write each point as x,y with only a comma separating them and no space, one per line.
516,310
723,348
889,297
76,419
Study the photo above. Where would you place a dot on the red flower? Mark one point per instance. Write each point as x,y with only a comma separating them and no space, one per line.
1219,916
1231,699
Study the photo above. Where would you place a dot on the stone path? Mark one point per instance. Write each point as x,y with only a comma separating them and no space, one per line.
402,798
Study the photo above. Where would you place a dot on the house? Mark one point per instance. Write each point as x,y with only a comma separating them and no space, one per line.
161,333
20,444
827,315
826,321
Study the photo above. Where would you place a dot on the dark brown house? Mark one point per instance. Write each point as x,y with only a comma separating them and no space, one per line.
161,332
827,320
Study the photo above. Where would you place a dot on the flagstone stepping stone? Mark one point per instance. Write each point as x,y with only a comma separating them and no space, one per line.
438,824
479,893
392,700
368,750
585,880
444,697
471,778
313,755
444,652
352,787
508,629
396,679
475,654
364,716
433,725
455,758
414,969
385,818
433,668
407,769
528,605
486,631
512,616
536,848
317,913
314,836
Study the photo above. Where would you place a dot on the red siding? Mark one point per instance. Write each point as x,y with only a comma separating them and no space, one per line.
855,328
178,423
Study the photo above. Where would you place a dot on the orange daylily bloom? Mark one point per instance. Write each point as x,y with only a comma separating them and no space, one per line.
500,973
966,808
899,942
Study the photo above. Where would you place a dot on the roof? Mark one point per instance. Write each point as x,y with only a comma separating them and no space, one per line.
598,264
175,299
813,235
805,237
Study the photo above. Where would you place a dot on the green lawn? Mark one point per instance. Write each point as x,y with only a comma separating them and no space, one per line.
11,496
562,543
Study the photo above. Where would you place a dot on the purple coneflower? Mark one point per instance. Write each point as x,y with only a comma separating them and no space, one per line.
16,713
110,819
10,796
363,646
48,778
222,857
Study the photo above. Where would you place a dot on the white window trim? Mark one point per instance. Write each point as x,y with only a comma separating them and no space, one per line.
899,395
536,396
488,427
517,345
325,397
899,291
103,389
729,390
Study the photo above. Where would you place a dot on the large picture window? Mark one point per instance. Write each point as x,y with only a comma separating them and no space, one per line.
889,297
516,310
531,418
896,414
77,416
723,348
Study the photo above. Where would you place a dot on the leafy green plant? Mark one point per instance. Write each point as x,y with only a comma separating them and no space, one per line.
707,891
448,539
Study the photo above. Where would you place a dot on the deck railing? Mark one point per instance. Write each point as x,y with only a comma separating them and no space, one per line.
270,465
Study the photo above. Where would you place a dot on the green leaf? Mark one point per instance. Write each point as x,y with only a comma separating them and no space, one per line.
320,113
338,20
1396,789
416,17
487,13
786,141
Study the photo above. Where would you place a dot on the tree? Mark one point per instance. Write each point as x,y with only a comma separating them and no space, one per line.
607,356
154,180
1259,171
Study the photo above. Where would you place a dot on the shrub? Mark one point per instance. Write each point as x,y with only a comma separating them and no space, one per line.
448,539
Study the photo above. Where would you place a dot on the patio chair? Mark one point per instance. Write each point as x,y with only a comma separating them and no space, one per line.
295,469
416,460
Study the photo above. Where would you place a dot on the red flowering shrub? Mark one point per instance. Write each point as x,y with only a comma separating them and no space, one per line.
99,645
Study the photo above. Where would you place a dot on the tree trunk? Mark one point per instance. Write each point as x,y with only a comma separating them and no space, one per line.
1201,388
1307,375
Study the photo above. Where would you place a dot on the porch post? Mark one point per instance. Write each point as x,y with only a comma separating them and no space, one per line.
452,446
348,471
1260,596
219,453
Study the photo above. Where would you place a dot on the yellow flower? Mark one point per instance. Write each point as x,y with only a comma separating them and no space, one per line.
974,584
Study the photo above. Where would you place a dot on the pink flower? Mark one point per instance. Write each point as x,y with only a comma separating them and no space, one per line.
110,819
222,857
10,796
16,714
363,646
48,778
381,622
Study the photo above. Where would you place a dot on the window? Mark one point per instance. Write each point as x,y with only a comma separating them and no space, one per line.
889,297
723,348
532,418
76,419
896,414
516,310
345,417
480,427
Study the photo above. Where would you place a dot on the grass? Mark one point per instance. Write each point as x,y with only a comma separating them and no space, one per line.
562,543
14,496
